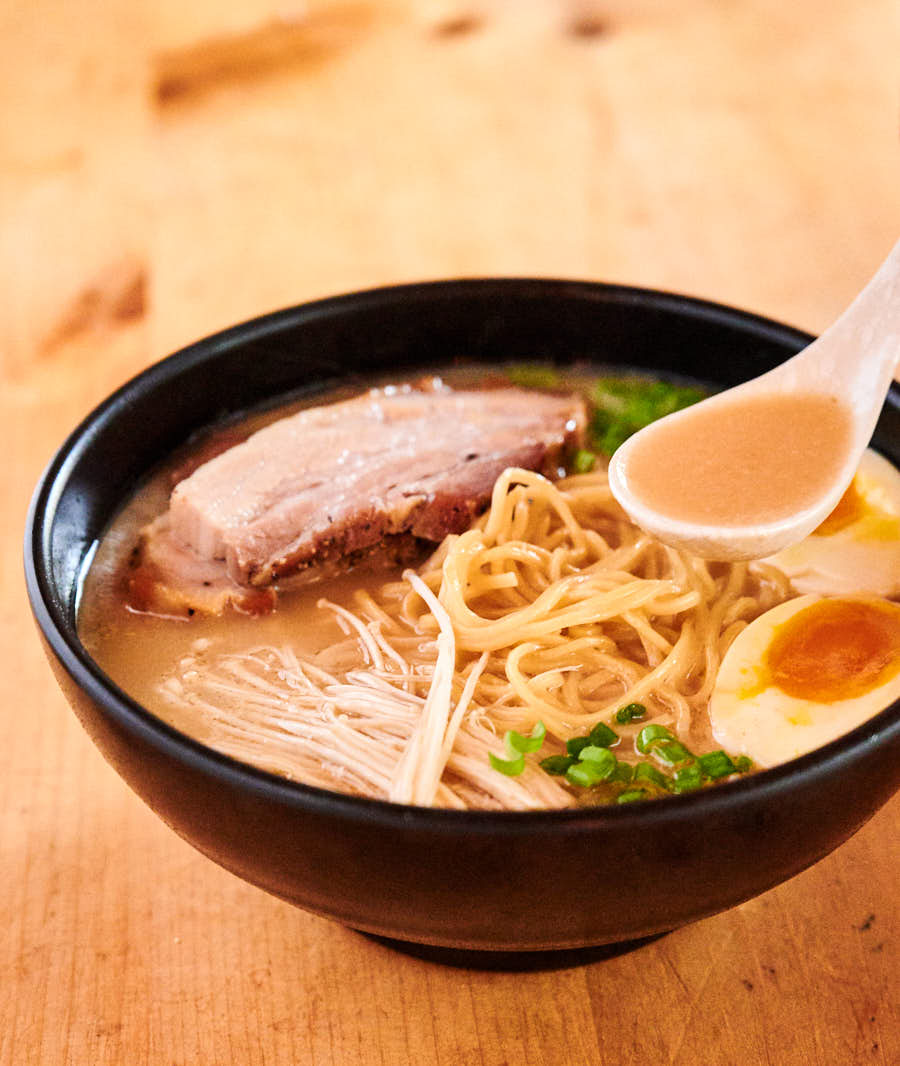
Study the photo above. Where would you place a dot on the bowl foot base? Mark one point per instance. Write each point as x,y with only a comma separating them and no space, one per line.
513,961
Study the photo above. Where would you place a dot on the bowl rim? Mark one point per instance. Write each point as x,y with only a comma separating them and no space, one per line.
60,633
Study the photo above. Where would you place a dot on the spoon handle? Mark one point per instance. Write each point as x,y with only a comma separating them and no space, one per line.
865,339
858,355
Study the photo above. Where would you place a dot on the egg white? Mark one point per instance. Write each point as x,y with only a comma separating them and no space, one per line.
862,557
761,721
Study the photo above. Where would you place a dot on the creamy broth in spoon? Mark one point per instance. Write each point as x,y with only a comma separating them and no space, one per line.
756,460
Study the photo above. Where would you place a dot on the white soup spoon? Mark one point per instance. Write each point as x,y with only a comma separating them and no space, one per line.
750,470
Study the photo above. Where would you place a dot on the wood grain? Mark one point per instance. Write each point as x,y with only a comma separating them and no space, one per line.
168,169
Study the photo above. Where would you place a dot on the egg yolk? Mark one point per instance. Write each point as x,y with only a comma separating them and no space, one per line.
850,508
836,650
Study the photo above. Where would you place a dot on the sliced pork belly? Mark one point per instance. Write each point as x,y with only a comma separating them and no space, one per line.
166,577
337,480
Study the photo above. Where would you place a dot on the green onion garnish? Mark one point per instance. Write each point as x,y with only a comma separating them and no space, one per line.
649,734
589,761
623,772
631,712
688,778
601,759
557,764
516,742
644,771
716,764
510,767
602,736
670,752
517,746
533,376
583,461
585,774
624,407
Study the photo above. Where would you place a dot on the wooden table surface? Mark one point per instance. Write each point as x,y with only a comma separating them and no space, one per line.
168,169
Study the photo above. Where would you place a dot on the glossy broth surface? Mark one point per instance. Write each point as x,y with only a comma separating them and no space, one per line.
752,461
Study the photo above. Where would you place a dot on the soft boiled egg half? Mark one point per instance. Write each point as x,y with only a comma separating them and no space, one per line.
804,673
857,548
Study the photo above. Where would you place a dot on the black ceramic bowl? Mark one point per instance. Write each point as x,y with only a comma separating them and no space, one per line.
475,880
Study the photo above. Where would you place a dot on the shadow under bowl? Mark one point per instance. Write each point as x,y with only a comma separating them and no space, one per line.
482,881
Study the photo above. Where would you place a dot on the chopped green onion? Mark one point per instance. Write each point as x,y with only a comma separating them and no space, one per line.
589,761
670,752
716,764
649,734
645,771
510,767
688,779
602,736
516,742
585,774
583,461
516,747
533,376
623,772
622,407
601,759
631,712
557,764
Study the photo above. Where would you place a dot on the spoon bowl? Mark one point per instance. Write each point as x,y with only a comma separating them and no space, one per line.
758,467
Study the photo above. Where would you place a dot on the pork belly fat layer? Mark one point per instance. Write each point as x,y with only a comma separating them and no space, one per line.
164,577
336,479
